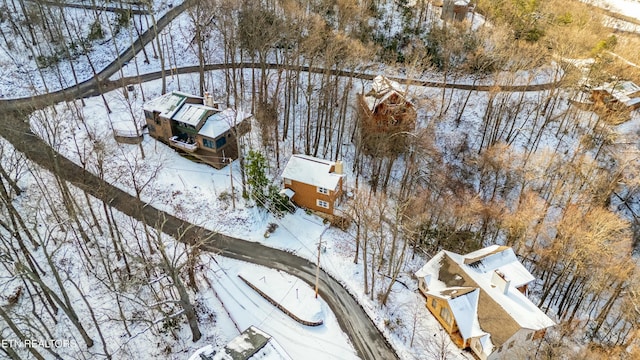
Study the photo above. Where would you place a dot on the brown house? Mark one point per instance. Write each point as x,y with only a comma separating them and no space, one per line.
617,96
455,10
480,300
314,183
385,117
196,126
385,108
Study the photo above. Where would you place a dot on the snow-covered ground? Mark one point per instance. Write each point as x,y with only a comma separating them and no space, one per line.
192,191
247,308
295,296
629,8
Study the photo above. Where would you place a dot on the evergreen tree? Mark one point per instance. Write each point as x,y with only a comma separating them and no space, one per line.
256,168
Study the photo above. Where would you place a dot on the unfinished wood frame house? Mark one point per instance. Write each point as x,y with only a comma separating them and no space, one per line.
314,183
480,300
196,126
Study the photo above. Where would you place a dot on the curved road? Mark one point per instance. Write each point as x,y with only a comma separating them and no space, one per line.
364,335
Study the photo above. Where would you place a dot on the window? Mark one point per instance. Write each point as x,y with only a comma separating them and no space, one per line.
221,142
478,346
322,190
208,143
510,344
322,204
445,314
529,336
434,303
150,115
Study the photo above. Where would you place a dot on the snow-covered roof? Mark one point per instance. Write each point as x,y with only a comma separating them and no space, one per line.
504,260
220,122
191,114
381,89
251,344
173,106
287,192
463,303
624,91
499,313
311,170
166,104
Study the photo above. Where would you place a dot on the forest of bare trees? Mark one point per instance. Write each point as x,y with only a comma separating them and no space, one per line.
525,169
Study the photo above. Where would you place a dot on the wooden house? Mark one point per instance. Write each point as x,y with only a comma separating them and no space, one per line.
454,10
385,118
616,96
385,108
480,300
314,183
196,126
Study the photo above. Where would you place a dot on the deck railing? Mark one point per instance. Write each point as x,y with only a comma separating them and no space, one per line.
183,145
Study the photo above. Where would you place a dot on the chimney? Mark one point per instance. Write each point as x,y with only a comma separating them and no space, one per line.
499,280
208,100
338,168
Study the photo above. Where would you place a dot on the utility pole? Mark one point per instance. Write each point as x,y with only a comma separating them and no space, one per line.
318,264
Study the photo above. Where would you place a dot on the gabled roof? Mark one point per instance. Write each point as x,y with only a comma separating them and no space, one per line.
313,171
166,104
221,121
502,259
381,89
463,302
173,106
499,313
251,344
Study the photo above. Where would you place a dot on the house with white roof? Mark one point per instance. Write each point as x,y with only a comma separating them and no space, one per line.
480,300
455,10
197,126
314,183
386,108
251,344
385,117
619,95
